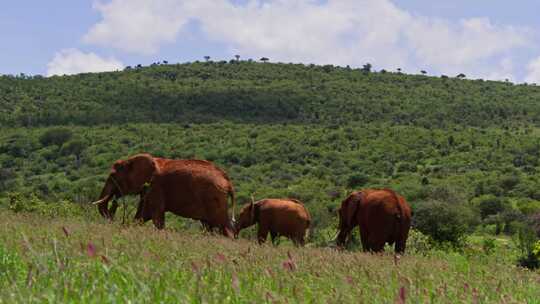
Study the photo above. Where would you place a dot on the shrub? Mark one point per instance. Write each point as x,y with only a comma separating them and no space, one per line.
418,243
74,147
529,248
488,245
56,136
356,180
529,206
489,204
17,202
443,222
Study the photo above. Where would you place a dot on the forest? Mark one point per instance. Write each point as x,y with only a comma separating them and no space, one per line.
464,153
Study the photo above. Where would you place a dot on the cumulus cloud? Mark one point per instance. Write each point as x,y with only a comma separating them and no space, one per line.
533,71
73,61
334,31
453,47
139,26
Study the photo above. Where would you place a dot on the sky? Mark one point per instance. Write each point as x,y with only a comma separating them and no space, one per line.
489,39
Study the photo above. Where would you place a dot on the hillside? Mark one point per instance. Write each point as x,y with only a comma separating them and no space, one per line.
251,92
468,148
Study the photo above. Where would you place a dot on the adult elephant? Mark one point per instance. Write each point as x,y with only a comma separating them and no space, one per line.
190,188
280,217
136,174
382,215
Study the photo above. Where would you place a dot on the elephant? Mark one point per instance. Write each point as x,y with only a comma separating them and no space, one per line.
194,189
280,217
133,183
138,173
382,215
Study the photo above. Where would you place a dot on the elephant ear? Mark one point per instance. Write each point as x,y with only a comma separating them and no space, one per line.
349,208
141,169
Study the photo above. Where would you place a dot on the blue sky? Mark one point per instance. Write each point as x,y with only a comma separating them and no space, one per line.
491,39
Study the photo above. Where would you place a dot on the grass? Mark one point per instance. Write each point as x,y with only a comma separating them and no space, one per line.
90,261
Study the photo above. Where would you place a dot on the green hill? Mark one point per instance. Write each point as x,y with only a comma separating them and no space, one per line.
262,93
310,132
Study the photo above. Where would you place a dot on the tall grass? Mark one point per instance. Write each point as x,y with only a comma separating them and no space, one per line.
89,261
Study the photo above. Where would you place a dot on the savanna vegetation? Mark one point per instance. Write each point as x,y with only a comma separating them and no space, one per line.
465,154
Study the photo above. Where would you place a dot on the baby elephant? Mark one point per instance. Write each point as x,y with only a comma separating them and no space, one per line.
280,217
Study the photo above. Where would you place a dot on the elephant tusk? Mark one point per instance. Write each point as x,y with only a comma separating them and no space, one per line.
335,236
101,200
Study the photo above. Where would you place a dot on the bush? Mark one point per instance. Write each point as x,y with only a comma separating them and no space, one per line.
418,243
489,204
356,180
443,222
488,245
55,137
529,248
18,203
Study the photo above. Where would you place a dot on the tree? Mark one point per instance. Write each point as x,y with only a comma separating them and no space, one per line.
461,75
75,147
56,136
264,59
237,57
207,58
399,70
366,68
443,222
423,72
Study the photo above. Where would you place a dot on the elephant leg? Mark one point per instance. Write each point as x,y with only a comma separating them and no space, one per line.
216,214
154,206
376,244
206,226
400,246
228,230
112,210
364,238
298,240
262,234
158,218
138,214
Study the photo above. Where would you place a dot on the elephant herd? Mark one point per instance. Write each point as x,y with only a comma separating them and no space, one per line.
199,190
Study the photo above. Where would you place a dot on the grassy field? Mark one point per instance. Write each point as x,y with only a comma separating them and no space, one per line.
91,261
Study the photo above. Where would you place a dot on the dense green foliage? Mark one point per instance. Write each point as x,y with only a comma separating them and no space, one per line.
310,132
254,92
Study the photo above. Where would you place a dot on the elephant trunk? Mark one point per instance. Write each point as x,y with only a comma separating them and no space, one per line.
342,237
107,193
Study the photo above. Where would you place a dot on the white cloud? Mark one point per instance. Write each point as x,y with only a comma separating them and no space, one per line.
73,61
533,71
454,47
339,32
138,26
335,31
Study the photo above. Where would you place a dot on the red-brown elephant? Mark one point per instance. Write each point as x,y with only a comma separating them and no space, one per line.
190,188
280,217
136,174
382,215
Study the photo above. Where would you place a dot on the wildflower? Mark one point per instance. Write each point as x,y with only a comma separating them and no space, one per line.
91,250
